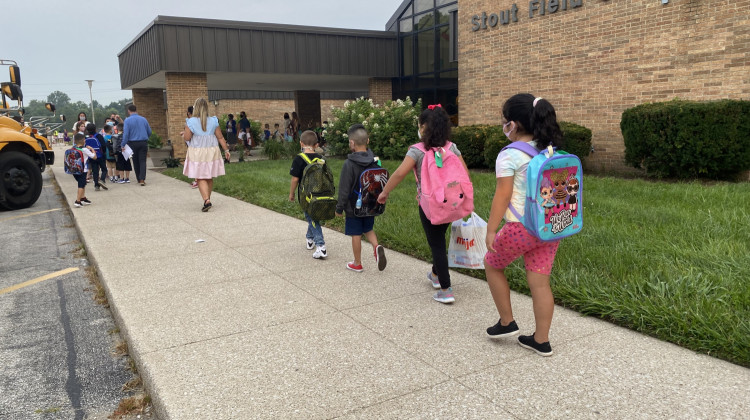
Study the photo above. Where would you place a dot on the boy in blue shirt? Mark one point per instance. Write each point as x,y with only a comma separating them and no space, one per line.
96,145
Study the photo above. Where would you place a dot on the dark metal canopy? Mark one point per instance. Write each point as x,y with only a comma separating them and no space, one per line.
257,56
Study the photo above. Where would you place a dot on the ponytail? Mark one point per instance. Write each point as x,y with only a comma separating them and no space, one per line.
536,116
544,124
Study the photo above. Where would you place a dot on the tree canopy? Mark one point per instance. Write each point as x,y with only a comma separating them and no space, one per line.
35,108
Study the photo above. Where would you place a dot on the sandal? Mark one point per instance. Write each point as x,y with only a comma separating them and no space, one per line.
206,205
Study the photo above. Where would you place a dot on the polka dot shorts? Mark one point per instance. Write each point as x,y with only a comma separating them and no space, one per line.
513,241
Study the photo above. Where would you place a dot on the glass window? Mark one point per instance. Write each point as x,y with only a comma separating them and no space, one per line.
423,5
426,51
439,3
425,21
406,25
444,14
445,49
448,78
407,51
407,12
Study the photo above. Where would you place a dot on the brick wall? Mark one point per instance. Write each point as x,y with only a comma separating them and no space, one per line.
594,61
150,105
380,90
182,91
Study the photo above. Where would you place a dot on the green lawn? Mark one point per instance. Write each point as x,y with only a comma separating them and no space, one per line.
671,260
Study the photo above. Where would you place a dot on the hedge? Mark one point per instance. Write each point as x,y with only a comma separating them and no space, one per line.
687,139
480,144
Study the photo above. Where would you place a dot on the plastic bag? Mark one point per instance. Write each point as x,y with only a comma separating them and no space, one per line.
467,248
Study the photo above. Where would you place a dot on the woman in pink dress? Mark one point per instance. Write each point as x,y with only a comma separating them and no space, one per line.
204,161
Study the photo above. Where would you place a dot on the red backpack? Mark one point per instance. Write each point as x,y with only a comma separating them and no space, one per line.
445,193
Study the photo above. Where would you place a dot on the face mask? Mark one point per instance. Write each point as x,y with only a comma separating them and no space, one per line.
507,133
419,134
82,118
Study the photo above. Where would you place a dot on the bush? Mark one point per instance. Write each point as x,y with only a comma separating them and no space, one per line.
392,127
480,144
154,141
684,139
576,139
255,127
274,149
171,162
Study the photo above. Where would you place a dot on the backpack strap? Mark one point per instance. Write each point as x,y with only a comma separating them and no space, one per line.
307,159
524,147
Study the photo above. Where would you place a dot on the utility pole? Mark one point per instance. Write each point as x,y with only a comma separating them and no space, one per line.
91,97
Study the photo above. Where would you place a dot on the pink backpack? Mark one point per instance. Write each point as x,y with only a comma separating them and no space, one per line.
445,193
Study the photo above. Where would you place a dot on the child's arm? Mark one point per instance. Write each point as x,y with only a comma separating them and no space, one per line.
406,166
345,187
503,193
293,187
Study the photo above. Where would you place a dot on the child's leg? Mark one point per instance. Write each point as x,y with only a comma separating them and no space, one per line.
436,240
81,193
543,302
500,292
357,249
204,189
372,239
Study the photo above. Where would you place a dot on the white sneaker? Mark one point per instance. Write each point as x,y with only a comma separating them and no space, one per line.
320,253
310,244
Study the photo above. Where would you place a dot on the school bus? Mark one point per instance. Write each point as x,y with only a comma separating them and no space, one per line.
24,153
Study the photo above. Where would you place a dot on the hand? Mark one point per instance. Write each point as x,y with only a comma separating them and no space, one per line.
382,197
489,240
291,197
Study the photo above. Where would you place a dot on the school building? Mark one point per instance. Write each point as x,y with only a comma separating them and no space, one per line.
592,59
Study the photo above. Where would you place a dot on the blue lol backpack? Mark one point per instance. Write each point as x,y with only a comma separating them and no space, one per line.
554,206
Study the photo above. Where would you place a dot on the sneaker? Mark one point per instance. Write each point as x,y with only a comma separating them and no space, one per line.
357,268
542,349
434,280
500,331
120,181
444,296
380,257
97,188
127,180
310,244
77,204
85,201
103,186
320,253
195,185
143,183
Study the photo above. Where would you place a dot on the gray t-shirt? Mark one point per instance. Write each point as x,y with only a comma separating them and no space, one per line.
418,155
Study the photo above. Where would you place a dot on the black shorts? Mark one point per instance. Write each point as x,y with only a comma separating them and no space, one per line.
122,164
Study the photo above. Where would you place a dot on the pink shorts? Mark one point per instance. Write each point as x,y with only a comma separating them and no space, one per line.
514,240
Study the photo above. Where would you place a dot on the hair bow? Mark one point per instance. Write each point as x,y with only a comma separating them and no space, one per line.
431,107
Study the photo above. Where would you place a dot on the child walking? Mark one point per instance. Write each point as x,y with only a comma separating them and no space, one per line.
88,153
314,236
434,131
360,159
532,120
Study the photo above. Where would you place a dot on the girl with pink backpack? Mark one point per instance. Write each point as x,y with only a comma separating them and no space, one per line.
444,190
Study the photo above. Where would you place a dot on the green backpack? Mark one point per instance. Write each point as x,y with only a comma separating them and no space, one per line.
316,192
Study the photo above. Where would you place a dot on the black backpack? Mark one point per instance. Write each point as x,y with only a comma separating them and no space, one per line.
367,189
316,191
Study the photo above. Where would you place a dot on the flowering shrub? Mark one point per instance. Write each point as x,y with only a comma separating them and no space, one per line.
392,127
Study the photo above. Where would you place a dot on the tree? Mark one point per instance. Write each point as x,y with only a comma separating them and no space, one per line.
58,98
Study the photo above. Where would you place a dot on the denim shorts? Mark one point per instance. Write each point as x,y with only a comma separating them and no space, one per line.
356,226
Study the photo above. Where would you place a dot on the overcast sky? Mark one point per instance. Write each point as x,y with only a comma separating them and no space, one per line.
60,43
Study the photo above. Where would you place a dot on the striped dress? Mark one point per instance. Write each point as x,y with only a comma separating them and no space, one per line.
203,160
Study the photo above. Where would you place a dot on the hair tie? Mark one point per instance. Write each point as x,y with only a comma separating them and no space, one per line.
431,107
535,101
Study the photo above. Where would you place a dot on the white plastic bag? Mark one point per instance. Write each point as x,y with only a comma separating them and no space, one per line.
467,247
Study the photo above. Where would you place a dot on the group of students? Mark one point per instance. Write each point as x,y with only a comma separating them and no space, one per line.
525,119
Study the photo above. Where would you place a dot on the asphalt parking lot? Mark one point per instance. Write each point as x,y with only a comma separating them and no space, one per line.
57,346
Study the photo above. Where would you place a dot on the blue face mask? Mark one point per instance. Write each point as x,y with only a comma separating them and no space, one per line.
107,136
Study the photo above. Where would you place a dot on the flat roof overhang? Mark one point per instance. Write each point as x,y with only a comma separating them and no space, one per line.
257,56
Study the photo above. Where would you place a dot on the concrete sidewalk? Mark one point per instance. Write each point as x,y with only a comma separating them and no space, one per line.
245,324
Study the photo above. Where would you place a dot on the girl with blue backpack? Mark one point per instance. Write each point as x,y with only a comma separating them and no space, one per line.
531,120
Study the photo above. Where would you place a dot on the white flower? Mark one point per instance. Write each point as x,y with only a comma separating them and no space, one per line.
324,133
346,104
382,113
375,125
372,114
361,117
346,136
364,123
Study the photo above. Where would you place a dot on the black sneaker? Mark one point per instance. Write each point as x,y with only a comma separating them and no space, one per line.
103,186
542,349
96,188
500,331
85,201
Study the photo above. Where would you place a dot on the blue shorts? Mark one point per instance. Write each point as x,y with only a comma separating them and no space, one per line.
356,226
81,178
